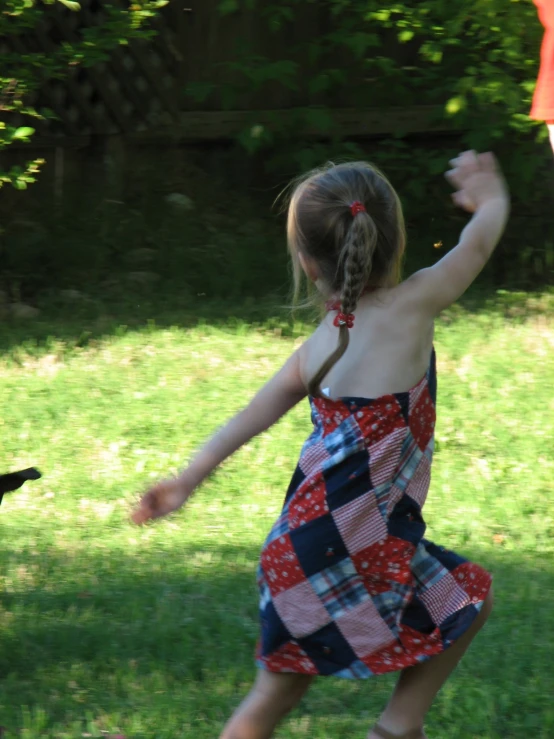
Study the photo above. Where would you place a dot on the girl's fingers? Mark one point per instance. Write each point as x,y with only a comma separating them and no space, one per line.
462,200
487,161
454,177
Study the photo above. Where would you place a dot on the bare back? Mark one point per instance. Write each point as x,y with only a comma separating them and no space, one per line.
389,350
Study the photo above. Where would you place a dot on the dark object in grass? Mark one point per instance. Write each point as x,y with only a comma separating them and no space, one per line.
14,480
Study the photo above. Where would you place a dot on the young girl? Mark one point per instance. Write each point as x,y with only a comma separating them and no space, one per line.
348,585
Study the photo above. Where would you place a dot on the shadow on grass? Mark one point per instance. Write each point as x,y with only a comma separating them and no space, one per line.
115,626
81,324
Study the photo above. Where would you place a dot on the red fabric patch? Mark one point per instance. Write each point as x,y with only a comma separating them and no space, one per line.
332,413
407,651
309,502
382,564
380,419
280,565
422,419
474,580
290,658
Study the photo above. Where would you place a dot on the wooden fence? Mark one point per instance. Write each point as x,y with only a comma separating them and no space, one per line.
140,92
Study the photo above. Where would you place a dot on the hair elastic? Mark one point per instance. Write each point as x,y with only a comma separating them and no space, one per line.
357,207
344,319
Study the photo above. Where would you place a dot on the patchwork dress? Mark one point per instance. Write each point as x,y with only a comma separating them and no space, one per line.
348,585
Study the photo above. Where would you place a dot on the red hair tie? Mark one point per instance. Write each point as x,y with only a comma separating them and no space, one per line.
357,207
344,319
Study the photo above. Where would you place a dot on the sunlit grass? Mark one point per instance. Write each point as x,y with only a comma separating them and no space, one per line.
105,628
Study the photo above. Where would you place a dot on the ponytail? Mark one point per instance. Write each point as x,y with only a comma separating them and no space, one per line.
355,263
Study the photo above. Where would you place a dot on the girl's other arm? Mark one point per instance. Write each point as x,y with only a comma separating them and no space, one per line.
277,397
480,189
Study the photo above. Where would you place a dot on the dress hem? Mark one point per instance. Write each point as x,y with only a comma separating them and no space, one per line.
260,663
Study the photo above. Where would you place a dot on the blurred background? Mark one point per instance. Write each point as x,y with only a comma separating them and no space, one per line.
165,131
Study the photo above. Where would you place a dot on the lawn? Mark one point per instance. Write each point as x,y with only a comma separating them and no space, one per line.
109,629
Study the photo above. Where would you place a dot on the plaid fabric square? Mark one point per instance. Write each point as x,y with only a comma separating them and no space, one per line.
355,671
360,523
382,496
309,503
444,598
339,588
364,629
345,439
300,610
410,457
384,457
265,595
390,604
280,566
426,569
418,487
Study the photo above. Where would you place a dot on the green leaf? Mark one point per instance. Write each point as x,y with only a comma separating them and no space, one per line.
455,105
22,133
405,36
71,4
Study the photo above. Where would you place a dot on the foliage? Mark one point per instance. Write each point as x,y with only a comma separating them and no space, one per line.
22,72
107,629
476,61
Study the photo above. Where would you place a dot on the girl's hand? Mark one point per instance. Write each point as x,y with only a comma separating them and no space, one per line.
477,179
165,497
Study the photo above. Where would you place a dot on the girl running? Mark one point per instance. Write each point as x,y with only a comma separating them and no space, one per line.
348,584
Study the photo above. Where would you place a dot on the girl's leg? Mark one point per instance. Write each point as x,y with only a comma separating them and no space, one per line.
271,698
418,686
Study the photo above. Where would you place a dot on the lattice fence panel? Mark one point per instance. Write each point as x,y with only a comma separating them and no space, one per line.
134,91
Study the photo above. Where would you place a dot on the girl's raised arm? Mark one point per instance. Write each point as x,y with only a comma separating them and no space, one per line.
480,189
277,397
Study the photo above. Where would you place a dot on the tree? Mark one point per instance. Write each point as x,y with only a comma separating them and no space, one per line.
23,71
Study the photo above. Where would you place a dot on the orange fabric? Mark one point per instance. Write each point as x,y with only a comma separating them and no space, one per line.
543,99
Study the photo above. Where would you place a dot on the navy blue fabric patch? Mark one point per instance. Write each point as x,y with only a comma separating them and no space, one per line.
432,378
404,403
318,544
457,624
347,480
274,631
417,617
297,479
405,520
328,650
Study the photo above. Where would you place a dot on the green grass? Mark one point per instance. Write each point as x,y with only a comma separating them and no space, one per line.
105,628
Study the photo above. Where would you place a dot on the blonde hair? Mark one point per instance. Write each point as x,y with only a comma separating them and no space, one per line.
353,253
